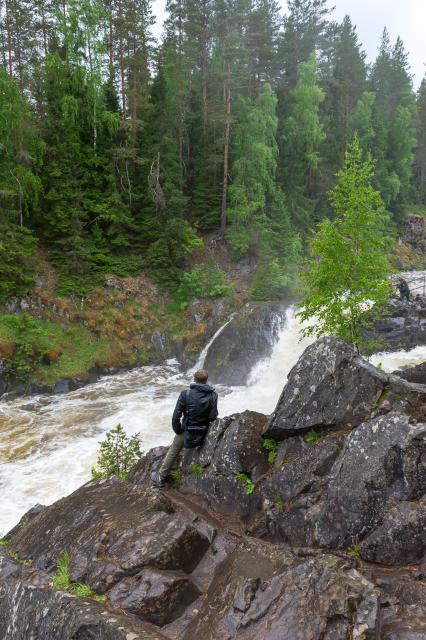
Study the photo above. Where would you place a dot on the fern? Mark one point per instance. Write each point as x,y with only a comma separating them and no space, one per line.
247,481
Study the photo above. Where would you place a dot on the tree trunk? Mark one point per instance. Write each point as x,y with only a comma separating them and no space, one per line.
204,67
9,40
134,93
110,37
227,104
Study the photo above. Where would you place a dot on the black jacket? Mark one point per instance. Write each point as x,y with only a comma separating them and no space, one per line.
198,406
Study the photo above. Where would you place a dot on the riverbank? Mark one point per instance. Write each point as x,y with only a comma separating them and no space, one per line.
51,343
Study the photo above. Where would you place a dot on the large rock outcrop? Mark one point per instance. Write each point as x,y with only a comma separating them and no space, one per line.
382,464
403,326
322,540
331,385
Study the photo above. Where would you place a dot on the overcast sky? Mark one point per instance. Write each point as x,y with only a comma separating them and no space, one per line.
406,18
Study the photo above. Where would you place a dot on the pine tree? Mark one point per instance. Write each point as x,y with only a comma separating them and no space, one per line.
304,27
394,116
255,153
257,212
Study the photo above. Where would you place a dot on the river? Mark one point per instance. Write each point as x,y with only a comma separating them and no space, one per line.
48,444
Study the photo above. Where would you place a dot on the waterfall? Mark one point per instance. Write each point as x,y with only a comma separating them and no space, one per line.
202,357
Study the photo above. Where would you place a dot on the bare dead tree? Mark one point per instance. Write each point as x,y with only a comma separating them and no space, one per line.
154,185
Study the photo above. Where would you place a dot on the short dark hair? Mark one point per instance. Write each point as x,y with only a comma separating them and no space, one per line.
201,376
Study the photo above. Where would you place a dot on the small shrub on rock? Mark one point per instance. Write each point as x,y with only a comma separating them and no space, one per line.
247,481
271,447
117,455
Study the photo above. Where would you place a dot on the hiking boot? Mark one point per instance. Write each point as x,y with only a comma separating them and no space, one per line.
157,480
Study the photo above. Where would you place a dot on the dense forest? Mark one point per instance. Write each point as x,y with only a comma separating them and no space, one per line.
118,152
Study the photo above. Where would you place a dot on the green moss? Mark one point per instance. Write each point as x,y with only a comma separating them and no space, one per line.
4,542
102,599
355,549
312,436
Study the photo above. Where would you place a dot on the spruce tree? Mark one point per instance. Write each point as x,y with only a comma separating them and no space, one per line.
343,81
302,134
394,115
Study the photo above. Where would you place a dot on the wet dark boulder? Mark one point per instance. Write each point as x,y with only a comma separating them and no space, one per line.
295,488
28,612
382,463
249,337
331,385
403,326
415,374
234,446
157,596
262,592
113,531
401,538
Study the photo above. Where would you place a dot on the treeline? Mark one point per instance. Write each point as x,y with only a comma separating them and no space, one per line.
115,150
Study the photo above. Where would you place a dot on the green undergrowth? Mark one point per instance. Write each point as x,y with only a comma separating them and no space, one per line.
34,339
418,209
62,581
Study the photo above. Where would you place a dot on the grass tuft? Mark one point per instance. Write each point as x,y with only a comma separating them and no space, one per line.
312,436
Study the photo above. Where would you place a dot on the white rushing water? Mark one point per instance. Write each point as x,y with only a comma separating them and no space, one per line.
48,444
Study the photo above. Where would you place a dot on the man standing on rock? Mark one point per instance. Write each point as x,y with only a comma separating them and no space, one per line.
195,409
404,290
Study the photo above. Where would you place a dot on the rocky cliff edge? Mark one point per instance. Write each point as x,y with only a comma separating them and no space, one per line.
309,524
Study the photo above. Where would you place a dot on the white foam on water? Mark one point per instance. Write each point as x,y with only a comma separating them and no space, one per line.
399,359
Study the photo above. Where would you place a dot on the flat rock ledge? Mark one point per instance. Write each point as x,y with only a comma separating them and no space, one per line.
308,524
